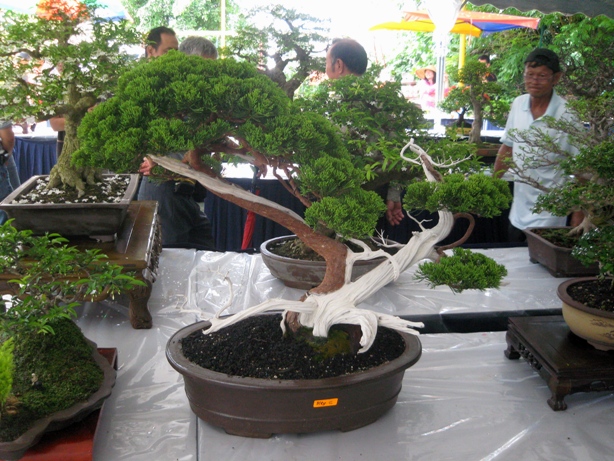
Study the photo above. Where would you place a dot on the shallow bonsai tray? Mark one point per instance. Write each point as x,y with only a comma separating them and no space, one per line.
76,442
68,218
565,361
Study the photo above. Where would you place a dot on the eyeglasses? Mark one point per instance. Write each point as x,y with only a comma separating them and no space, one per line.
538,78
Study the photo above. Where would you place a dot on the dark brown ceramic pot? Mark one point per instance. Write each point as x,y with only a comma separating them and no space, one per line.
302,274
558,260
593,325
254,407
15,450
68,219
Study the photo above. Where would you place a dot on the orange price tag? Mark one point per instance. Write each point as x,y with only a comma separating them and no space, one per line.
325,403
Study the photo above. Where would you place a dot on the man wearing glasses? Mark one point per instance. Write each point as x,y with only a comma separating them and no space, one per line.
541,73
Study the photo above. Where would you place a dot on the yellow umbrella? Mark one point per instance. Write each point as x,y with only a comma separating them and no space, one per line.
427,26
468,22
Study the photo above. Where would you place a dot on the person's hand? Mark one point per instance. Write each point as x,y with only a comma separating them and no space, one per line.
146,166
394,213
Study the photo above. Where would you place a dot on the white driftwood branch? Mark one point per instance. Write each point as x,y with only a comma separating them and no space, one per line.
321,311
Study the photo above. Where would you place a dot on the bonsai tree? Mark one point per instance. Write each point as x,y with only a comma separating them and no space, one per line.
285,49
374,121
474,94
41,347
183,103
74,60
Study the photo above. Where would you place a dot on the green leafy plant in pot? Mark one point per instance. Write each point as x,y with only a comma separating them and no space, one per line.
184,103
587,49
50,374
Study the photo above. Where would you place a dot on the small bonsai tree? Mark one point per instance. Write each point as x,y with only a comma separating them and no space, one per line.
50,280
73,60
285,50
183,103
477,95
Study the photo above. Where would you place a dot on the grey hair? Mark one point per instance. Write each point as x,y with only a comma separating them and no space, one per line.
199,46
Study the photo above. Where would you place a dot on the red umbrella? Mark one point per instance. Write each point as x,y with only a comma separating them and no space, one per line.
250,220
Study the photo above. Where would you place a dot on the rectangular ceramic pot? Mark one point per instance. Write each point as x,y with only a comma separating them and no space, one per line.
558,260
68,219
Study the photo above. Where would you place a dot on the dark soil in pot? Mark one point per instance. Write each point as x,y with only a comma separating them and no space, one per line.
598,294
256,348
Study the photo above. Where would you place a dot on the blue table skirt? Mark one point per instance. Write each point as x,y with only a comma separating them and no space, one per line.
228,221
34,156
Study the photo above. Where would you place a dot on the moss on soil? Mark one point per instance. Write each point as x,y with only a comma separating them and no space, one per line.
65,369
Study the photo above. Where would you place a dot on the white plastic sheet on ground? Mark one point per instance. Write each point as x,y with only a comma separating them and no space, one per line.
463,400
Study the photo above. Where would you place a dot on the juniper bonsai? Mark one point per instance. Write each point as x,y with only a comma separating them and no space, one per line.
72,60
218,110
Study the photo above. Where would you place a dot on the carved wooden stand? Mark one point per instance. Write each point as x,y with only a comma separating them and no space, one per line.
566,362
136,247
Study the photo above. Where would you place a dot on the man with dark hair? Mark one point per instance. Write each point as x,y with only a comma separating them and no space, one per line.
485,59
542,72
345,57
159,41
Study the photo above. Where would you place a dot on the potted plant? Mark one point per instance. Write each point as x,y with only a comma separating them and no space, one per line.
587,49
180,102
587,302
51,375
75,58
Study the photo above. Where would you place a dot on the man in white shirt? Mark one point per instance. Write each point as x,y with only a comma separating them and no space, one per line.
541,73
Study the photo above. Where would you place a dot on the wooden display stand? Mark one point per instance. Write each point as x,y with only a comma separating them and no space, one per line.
75,442
136,247
566,362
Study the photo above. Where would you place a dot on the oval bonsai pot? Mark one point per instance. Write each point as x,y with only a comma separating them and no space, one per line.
303,274
68,219
557,260
256,407
594,325
16,449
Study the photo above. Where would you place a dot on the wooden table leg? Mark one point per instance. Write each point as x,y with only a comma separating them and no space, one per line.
140,318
